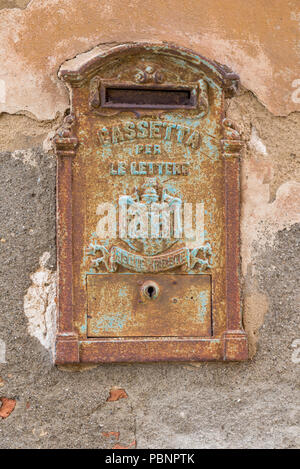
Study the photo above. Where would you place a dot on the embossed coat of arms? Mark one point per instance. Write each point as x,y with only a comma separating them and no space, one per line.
153,224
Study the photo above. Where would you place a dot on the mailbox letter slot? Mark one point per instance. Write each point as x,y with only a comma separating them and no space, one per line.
145,97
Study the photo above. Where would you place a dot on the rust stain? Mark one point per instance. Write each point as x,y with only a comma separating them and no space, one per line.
115,394
8,406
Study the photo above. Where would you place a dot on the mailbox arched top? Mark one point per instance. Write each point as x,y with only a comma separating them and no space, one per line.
86,65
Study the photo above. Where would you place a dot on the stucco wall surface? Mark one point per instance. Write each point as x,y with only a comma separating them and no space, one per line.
199,405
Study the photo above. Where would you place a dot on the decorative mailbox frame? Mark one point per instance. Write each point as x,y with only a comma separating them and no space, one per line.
136,79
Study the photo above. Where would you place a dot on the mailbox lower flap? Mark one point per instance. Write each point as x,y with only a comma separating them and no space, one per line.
121,305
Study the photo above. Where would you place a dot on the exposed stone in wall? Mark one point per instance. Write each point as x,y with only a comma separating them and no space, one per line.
40,305
258,40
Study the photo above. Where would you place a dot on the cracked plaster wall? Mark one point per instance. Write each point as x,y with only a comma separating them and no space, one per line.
253,404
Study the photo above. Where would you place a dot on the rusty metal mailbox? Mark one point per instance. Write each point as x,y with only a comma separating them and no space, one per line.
148,209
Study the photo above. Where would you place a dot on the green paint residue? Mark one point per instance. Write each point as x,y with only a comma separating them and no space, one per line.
202,306
112,321
122,292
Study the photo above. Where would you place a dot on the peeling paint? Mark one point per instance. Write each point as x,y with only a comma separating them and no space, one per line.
257,40
256,143
22,4
23,132
40,304
261,220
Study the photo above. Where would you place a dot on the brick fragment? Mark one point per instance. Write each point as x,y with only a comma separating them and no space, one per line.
7,407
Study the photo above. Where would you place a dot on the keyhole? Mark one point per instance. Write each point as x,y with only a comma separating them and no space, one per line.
150,291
